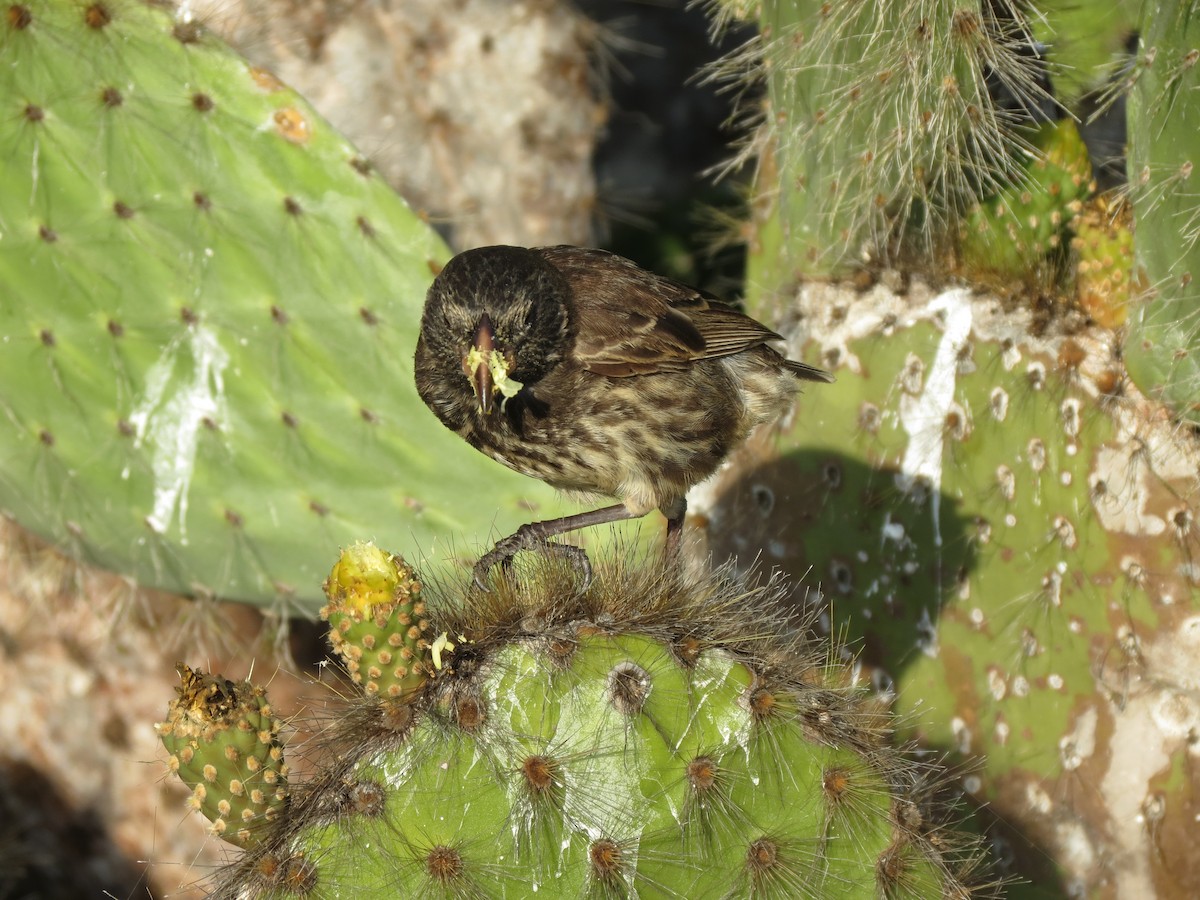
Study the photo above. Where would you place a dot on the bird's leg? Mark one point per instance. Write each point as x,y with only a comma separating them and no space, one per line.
536,535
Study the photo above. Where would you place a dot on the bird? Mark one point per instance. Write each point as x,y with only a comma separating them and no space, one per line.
580,368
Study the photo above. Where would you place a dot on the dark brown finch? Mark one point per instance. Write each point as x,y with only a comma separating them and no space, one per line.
579,368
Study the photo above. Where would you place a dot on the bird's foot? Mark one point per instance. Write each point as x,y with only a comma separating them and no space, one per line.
504,551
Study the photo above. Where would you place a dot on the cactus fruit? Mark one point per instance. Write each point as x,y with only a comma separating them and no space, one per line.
1163,349
1008,530
652,736
224,745
1014,233
377,622
209,318
1103,245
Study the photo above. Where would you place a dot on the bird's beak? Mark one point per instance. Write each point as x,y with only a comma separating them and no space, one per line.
481,377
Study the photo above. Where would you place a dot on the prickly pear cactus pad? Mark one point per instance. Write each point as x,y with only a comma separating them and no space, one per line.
1007,529
208,308
652,736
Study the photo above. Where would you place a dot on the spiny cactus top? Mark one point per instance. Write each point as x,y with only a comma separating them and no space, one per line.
650,736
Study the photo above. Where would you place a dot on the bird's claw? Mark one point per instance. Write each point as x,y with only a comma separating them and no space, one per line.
502,554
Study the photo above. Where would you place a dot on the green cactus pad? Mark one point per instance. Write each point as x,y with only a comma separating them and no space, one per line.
653,736
1084,42
209,315
224,745
377,622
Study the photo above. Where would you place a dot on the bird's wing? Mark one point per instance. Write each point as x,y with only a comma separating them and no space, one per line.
632,322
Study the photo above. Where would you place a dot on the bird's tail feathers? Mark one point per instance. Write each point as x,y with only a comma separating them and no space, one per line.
807,372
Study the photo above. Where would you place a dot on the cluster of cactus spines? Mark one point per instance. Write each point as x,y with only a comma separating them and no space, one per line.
650,735
1163,350
377,622
224,743
209,318
887,124
1009,530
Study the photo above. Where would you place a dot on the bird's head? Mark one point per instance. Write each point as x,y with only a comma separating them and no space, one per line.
498,317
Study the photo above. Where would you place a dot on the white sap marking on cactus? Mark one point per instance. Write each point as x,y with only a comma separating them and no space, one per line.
1122,503
1078,856
171,413
1080,743
33,175
1037,798
927,635
891,531
1154,719
872,312
924,416
962,734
